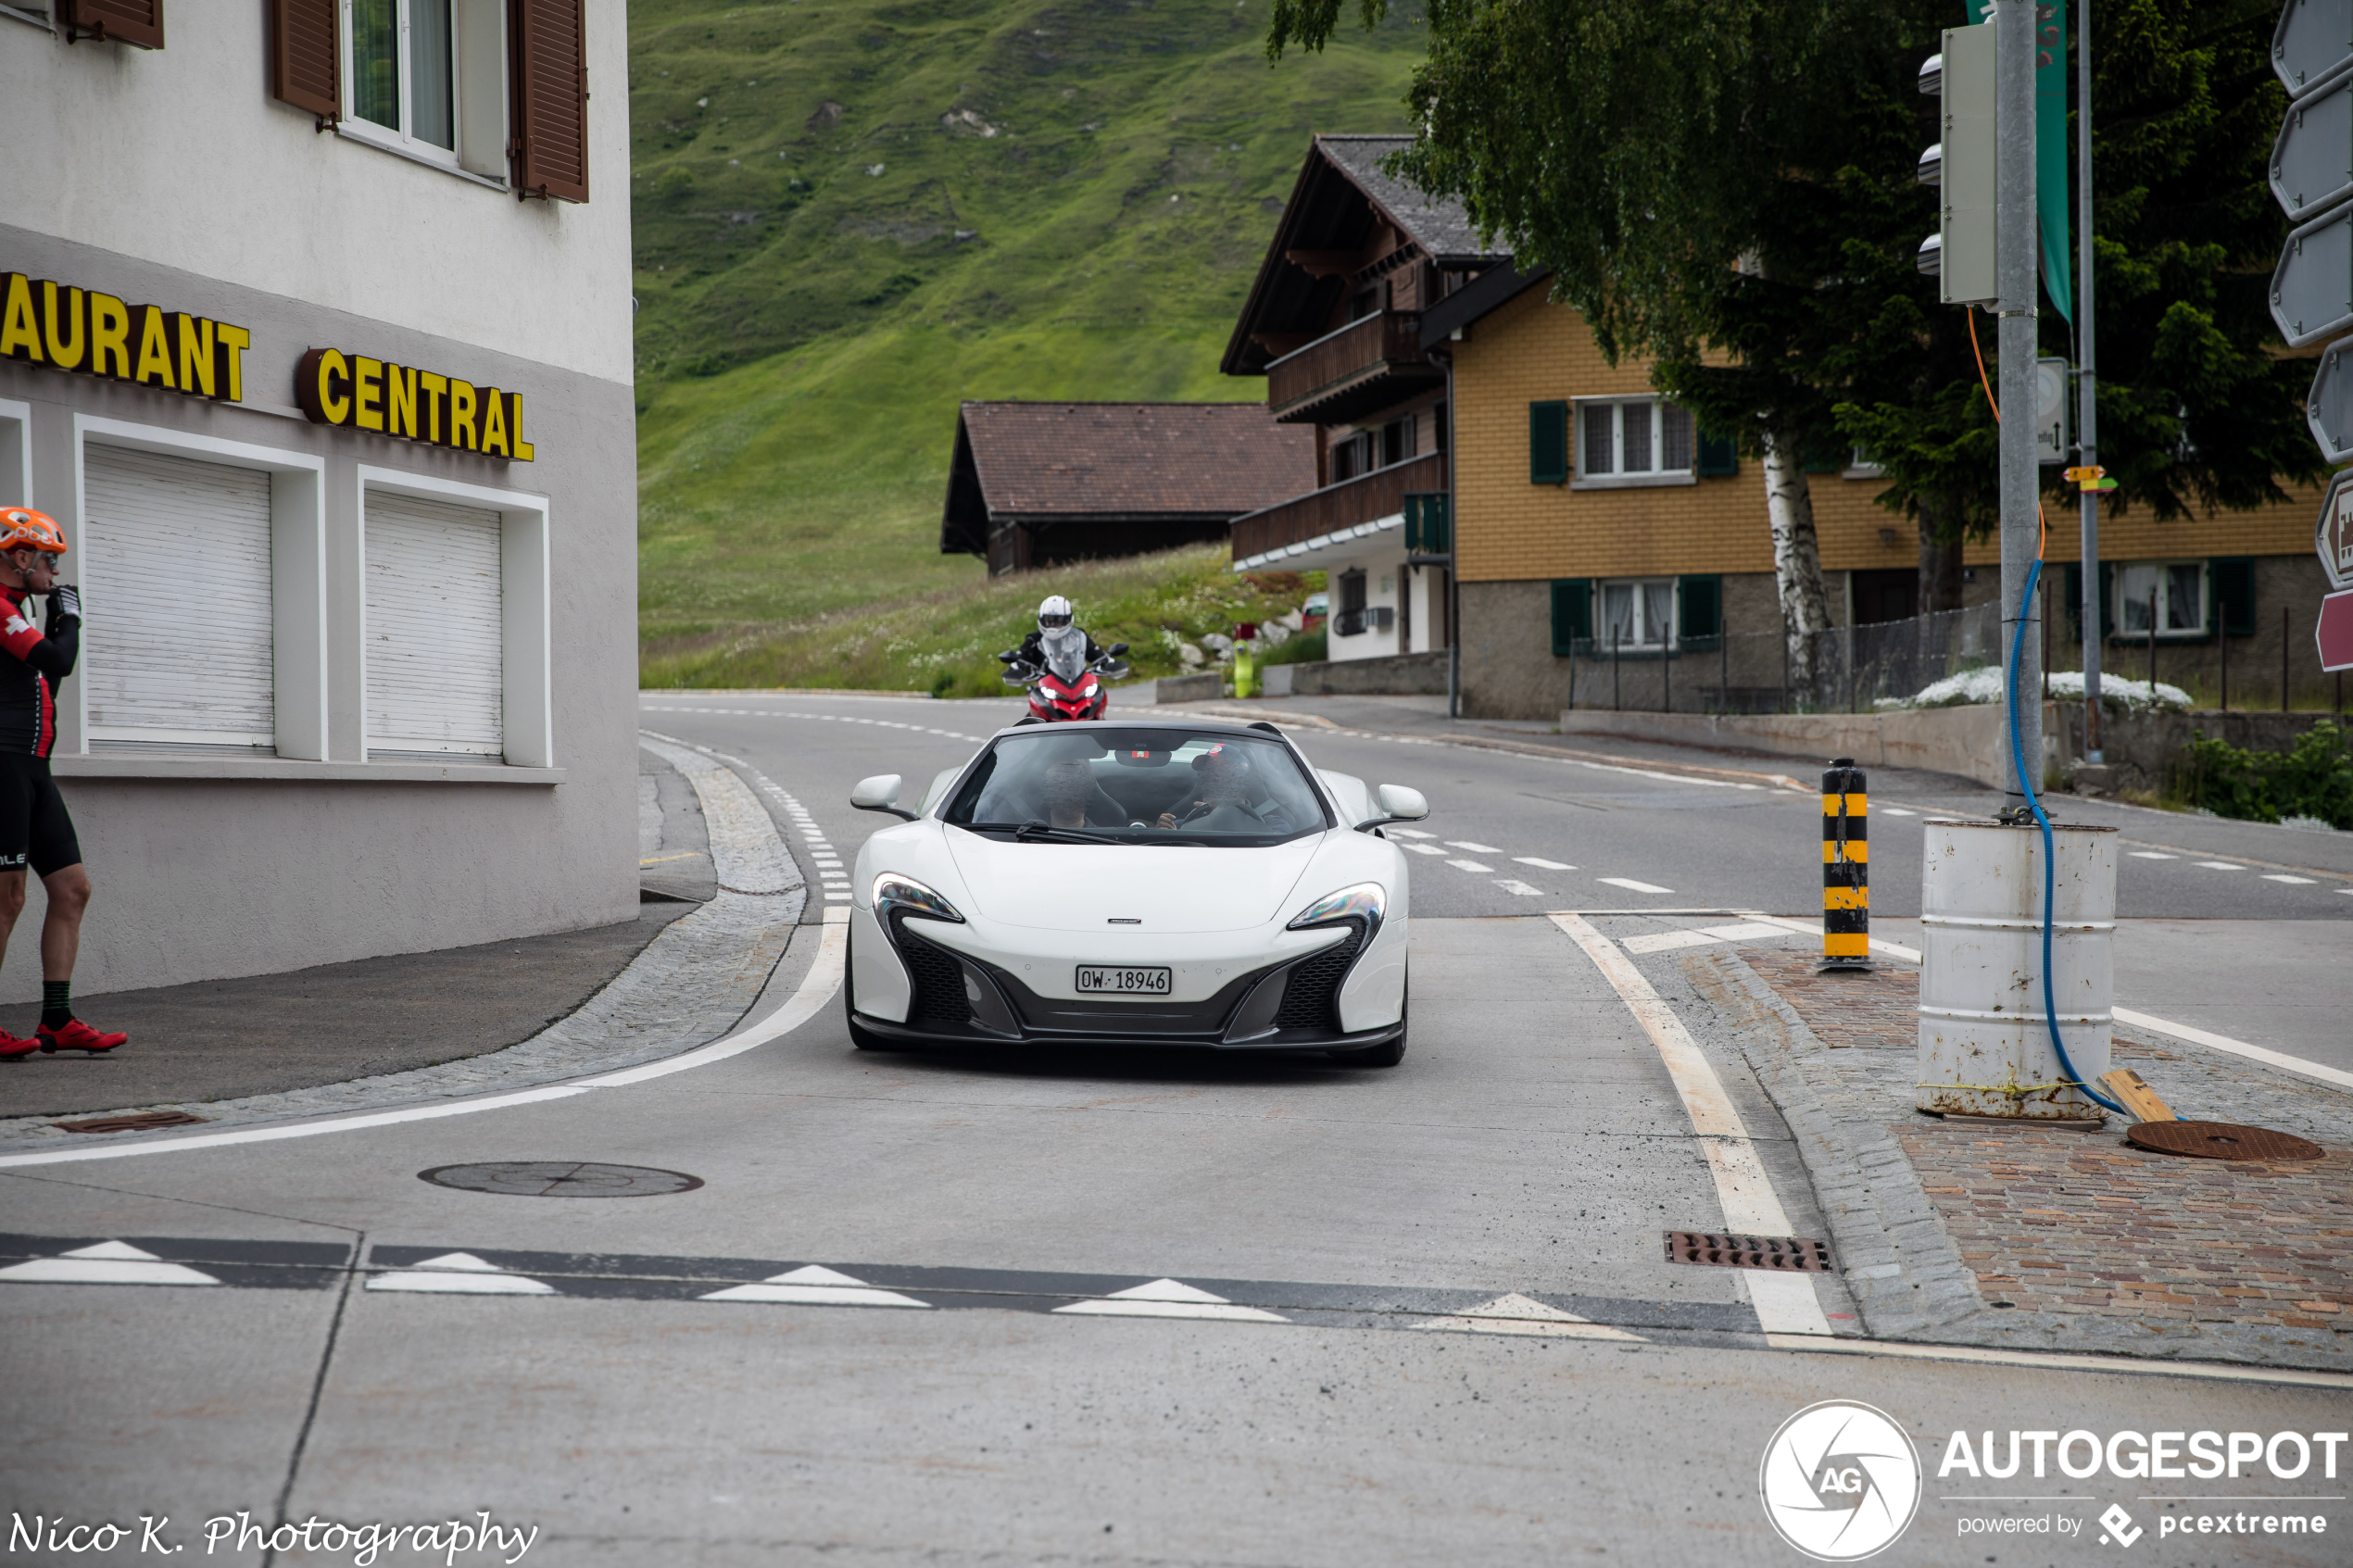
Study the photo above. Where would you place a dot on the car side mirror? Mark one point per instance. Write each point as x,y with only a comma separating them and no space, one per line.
1396,804
880,793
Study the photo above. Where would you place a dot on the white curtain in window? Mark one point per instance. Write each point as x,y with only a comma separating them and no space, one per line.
1658,612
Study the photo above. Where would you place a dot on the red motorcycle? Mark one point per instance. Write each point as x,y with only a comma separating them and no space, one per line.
1065,689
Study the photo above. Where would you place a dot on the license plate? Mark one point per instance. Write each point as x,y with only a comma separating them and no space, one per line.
1124,982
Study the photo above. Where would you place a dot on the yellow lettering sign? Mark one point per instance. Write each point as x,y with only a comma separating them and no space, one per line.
523,450
197,369
367,392
155,349
431,389
494,423
322,386
461,415
110,336
65,347
400,401
19,336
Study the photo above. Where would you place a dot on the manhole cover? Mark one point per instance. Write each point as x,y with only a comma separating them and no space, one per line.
560,1178
1787,1253
2222,1140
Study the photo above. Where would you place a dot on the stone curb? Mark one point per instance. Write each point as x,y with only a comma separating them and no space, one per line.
694,982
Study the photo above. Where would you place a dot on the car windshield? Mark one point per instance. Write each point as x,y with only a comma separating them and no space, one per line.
1138,786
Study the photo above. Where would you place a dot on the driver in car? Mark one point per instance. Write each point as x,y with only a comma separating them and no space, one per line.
1224,801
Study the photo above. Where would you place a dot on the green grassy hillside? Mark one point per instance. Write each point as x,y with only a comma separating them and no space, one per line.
850,215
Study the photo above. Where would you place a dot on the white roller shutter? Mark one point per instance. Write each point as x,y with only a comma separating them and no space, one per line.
176,570
434,644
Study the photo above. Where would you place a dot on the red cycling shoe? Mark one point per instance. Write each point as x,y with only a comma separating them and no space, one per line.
14,1049
76,1036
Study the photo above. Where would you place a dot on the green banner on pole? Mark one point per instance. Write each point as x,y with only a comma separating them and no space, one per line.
2051,161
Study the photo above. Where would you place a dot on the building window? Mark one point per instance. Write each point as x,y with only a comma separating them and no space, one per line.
2179,587
1633,441
1369,449
403,70
178,551
435,615
1638,614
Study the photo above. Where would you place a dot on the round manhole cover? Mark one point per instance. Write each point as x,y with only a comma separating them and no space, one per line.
560,1178
2222,1140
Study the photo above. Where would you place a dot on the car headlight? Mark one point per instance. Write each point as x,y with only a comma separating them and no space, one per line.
891,890
1363,902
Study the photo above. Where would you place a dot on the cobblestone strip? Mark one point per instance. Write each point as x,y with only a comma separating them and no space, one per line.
2096,1268
689,985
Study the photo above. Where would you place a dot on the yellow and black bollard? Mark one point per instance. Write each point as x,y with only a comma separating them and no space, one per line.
1847,880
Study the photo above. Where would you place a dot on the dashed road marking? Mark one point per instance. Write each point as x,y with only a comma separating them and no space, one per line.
1543,864
2151,855
815,1286
109,1262
1514,1313
2291,881
1472,866
1630,885
1407,833
2217,866
1167,1299
1519,889
461,1274
1423,848
1474,848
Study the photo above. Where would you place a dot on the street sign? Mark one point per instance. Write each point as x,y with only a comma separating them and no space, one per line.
2314,38
2051,441
2312,156
2328,408
2333,537
2312,286
2333,633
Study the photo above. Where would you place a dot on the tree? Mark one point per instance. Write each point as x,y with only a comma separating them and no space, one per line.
1727,187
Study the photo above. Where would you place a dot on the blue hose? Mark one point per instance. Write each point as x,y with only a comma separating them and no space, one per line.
2050,866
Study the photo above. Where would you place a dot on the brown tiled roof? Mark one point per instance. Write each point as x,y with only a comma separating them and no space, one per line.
1127,460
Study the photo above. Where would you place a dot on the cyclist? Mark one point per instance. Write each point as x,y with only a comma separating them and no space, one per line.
35,831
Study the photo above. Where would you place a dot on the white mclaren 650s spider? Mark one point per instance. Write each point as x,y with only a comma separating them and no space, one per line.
1162,882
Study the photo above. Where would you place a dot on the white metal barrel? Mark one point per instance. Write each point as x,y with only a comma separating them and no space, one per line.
1985,1049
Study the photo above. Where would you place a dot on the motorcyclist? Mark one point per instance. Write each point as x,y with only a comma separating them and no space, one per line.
1057,634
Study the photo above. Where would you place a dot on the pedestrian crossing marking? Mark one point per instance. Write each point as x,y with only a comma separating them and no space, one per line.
1514,1313
461,1274
1167,1298
109,1262
815,1286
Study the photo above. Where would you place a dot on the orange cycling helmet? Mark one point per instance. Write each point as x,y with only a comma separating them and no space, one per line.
22,528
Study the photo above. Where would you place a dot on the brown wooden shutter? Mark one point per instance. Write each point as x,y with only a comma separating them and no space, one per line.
304,62
123,21
550,147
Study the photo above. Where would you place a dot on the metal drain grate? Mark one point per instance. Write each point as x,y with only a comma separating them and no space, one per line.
1788,1254
139,1123
560,1178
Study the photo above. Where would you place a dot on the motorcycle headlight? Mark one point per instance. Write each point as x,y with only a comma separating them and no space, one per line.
891,890
1363,902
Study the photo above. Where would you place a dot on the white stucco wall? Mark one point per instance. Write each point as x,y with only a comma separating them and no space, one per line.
180,157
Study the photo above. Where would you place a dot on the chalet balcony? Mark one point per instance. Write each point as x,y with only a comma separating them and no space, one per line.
1358,369
1338,507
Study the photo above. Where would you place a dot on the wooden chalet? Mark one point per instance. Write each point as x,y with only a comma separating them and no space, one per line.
1334,323
1046,484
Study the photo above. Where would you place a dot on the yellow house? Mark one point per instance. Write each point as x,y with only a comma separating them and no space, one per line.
1594,529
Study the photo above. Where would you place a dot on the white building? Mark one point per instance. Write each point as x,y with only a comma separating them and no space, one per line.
314,337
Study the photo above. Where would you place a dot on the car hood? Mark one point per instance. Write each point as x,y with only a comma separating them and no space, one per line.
1082,887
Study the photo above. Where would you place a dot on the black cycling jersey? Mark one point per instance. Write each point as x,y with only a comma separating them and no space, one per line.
29,677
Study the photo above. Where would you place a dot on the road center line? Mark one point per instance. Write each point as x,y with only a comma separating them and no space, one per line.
1785,1303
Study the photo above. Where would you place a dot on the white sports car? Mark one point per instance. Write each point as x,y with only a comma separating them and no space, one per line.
1134,883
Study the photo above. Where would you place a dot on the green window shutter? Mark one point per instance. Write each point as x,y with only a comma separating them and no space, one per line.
1438,522
1699,610
1719,458
1548,443
1572,614
1413,525
2233,584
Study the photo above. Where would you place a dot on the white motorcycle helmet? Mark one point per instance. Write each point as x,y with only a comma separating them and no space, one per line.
1053,613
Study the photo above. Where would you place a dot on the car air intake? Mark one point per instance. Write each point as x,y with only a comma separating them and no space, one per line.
1312,1000
939,979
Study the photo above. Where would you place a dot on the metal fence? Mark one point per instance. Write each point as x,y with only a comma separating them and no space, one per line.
1844,670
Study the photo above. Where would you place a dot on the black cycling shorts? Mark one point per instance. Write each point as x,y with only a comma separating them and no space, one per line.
34,826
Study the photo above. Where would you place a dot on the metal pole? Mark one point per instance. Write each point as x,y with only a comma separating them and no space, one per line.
2014,271
2087,418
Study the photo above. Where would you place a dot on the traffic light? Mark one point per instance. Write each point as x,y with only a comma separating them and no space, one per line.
1961,166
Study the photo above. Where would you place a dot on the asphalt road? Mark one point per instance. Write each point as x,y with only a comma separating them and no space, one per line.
1021,1308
